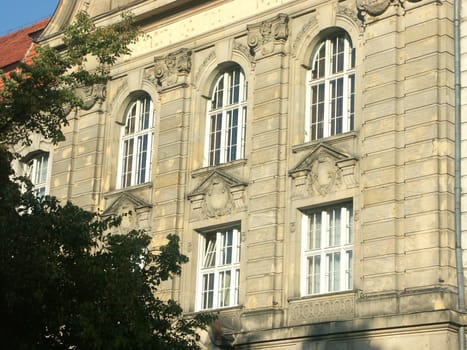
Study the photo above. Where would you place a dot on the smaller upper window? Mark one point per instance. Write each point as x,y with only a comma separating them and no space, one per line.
37,171
136,143
330,96
226,118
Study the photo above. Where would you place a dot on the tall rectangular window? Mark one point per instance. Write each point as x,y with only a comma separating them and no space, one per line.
327,249
331,88
219,268
226,120
37,171
136,143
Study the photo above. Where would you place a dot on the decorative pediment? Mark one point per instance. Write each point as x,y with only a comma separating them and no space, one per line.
324,170
125,199
135,212
217,195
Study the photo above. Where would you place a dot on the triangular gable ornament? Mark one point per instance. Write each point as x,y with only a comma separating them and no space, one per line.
323,170
217,195
134,211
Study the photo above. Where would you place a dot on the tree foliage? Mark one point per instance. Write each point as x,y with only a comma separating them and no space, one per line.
37,97
65,281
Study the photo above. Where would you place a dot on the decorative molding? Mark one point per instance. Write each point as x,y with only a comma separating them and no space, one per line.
91,94
268,37
218,195
204,64
352,15
172,70
323,171
320,309
301,35
245,51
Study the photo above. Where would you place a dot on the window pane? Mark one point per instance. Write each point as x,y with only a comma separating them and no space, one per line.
333,273
215,139
234,94
127,162
314,239
130,120
232,134
208,291
142,158
348,271
337,100
224,288
320,62
226,247
334,227
145,114
314,268
351,101
210,252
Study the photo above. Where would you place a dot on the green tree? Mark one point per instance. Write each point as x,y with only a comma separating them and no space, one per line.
65,281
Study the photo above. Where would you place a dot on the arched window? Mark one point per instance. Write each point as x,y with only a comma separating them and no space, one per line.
226,118
331,88
136,142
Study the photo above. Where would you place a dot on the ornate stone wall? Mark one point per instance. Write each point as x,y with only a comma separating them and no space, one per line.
395,167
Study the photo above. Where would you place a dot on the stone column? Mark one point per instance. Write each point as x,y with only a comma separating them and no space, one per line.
268,134
171,143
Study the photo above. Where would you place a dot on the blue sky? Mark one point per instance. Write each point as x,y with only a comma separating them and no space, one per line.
16,14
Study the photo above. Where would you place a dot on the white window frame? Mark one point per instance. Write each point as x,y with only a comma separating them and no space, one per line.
322,243
37,169
321,104
214,266
223,142
132,169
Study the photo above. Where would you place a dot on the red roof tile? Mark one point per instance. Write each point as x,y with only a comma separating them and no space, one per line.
14,46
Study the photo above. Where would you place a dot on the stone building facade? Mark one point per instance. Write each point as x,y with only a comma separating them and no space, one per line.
303,152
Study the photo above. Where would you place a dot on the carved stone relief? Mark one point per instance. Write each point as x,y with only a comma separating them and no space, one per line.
269,36
218,195
351,14
91,94
324,174
375,8
322,309
323,171
173,69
